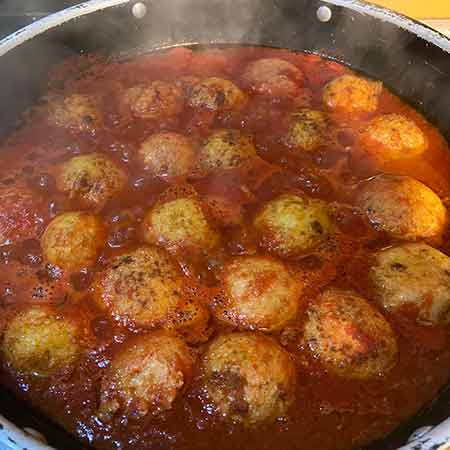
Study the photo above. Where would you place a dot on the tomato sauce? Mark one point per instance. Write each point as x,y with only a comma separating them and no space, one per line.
329,413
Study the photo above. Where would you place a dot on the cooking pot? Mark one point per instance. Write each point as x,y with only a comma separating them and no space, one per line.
410,58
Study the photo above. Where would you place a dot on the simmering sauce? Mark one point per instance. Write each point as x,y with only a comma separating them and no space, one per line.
73,307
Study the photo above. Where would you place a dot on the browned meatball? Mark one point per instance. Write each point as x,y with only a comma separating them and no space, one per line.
142,287
291,224
91,180
417,275
180,224
273,76
156,100
40,341
352,94
217,94
167,154
307,130
260,293
77,112
20,216
73,240
226,149
403,207
349,336
146,375
392,137
249,378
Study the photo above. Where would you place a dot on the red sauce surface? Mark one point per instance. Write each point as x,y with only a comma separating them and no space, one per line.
329,412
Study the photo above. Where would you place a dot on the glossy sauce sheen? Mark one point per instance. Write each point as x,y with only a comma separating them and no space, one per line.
329,412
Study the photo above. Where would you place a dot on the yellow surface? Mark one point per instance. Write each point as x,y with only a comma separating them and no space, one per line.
431,9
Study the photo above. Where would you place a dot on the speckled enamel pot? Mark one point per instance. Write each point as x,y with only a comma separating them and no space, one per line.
411,59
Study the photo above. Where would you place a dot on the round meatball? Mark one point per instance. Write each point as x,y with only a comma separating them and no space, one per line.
349,336
73,240
392,137
156,100
249,378
167,154
217,94
39,341
141,287
179,224
77,112
352,94
91,180
260,293
307,130
273,76
403,207
291,224
20,217
416,275
226,149
145,376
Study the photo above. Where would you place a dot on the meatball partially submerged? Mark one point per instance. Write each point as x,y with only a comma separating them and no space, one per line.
226,149
91,180
260,293
77,112
140,287
249,378
403,207
146,375
291,224
307,130
180,224
352,94
273,76
39,341
73,240
20,217
156,100
349,336
167,154
393,137
217,94
416,275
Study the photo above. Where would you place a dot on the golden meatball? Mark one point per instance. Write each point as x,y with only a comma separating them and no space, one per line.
273,76
392,137
179,224
249,378
73,240
226,149
141,287
260,293
417,275
146,375
291,224
349,336
403,207
307,130
217,94
167,154
91,180
20,217
77,112
352,94
156,100
38,341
